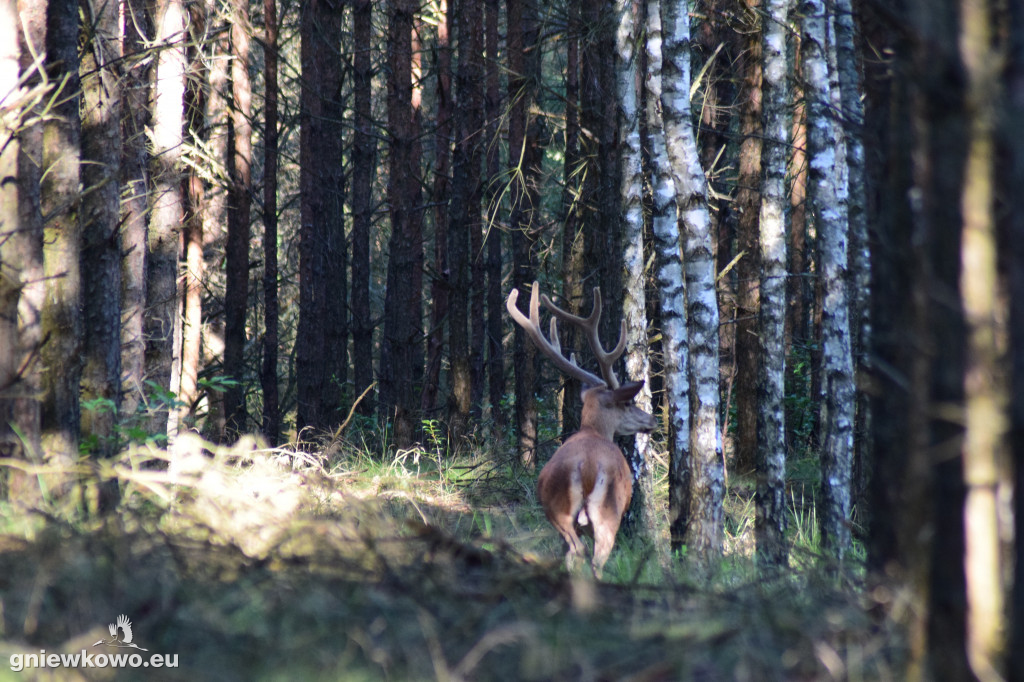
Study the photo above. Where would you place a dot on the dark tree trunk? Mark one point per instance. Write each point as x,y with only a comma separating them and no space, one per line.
495,299
748,207
464,226
402,307
268,375
61,354
239,165
101,257
321,245
363,153
573,234
1015,148
524,157
441,282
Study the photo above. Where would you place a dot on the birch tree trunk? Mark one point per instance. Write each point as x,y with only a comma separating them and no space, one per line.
671,289
770,497
851,88
634,304
704,518
827,193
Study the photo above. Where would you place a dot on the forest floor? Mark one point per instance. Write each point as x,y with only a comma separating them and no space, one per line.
249,564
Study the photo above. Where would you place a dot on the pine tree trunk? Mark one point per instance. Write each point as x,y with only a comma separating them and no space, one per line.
402,333
101,276
440,282
194,275
770,507
134,205
524,238
167,214
465,210
14,238
61,320
573,229
236,291
363,153
271,427
24,249
671,290
748,268
495,298
828,197
704,517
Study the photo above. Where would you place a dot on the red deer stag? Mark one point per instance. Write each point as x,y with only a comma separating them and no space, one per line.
588,480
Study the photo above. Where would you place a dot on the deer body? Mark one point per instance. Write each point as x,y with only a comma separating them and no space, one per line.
587,482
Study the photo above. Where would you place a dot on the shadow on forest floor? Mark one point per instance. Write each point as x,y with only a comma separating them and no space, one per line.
255,567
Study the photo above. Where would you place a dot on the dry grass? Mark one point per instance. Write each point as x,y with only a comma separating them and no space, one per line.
255,564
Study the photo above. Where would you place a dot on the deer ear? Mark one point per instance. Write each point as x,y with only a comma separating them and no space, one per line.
626,392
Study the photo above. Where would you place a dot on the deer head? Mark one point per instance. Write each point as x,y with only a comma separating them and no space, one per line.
587,481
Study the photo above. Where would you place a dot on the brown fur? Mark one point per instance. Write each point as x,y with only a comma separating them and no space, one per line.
588,481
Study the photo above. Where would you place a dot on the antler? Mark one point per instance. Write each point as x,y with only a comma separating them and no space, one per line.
589,325
552,348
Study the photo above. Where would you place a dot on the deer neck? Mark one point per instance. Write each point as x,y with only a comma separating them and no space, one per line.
596,420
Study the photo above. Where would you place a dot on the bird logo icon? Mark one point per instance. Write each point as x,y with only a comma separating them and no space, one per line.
120,634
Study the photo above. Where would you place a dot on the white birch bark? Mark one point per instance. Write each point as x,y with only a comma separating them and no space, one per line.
671,286
860,254
828,194
634,305
770,497
705,514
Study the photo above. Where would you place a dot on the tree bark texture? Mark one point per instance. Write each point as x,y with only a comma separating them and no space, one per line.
770,496
61,205
134,206
402,308
101,209
167,211
828,193
748,268
493,235
363,153
271,426
320,346
239,164
671,288
704,515
641,514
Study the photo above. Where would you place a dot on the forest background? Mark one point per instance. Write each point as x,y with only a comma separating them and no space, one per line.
302,221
